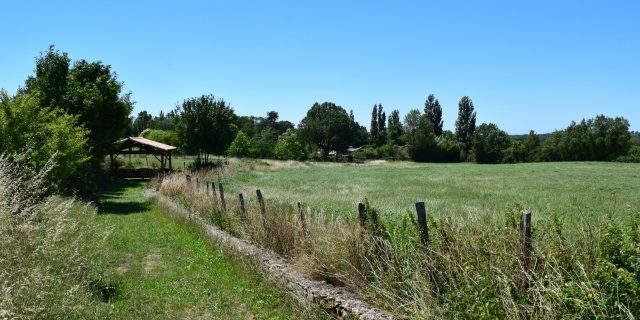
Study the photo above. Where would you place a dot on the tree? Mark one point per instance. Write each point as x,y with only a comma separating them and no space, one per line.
327,126
422,141
89,90
240,147
50,80
411,124
374,134
489,143
288,147
394,128
382,130
466,123
206,126
42,134
141,122
434,113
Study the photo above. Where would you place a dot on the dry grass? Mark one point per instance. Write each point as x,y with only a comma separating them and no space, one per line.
46,265
470,269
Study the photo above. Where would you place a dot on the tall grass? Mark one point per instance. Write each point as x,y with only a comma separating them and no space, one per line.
469,269
47,244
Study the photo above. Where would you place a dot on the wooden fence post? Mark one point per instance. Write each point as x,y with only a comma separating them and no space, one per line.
361,214
222,203
213,189
207,183
242,209
263,210
421,211
198,184
525,247
302,219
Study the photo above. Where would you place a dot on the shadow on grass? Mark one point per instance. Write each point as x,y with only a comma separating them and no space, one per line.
113,198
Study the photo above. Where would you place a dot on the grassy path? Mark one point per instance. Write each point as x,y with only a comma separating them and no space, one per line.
162,268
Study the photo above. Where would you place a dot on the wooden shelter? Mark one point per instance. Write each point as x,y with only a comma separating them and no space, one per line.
140,145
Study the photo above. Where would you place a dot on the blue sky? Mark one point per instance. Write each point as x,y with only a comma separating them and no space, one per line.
525,64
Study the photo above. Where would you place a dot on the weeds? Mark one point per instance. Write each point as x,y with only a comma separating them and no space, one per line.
467,270
48,244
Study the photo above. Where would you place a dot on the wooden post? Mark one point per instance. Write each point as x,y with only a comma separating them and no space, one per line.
213,188
263,210
222,203
198,184
189,178
421,211
242,209
207,183
361,214
525,247
302,218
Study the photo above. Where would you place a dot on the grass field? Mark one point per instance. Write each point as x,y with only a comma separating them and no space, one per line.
461,191
159,267
585,239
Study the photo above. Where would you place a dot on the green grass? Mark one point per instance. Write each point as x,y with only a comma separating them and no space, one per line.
160,267
462,191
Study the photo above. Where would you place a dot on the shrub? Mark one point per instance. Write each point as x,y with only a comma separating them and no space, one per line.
288,147
40,134
240,147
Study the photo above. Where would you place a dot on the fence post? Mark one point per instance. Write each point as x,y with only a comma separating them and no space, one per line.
421,211
242,209
222,203
525,247
207,183
198,184
263,210
361,214
302,219
213,189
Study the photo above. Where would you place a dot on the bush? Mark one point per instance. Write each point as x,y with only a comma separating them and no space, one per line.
240,147
41,134
288,147
48,245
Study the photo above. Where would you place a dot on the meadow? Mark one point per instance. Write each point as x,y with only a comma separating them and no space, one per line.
571,190
585,242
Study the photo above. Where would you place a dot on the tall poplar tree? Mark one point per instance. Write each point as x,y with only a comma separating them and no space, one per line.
374,125
433,112
466,123
382,131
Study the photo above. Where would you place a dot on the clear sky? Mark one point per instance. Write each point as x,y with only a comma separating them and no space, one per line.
525,64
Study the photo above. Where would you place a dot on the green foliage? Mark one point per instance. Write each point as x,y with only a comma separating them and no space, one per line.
327,126
433,111
632,156
466,123
141,123
489,143
288,147
41,134
89,90
394,129
240,147
598,139
163,136
422,141
263,143
205,125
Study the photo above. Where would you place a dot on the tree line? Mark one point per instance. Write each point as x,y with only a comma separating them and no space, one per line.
75,113
206,125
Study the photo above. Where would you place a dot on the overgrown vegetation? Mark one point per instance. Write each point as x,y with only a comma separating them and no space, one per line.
47,262
583,266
